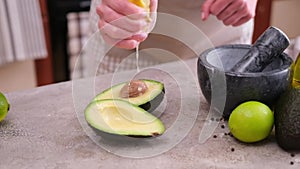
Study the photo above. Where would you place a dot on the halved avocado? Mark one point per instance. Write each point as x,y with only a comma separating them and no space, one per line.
122,118
149,100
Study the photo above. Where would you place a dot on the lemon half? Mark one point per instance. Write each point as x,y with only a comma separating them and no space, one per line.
142,3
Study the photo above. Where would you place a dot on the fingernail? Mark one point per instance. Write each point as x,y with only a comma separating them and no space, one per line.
133,45
203,16
144,36
141,37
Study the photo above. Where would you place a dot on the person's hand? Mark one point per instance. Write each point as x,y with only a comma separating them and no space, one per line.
123,23
230,12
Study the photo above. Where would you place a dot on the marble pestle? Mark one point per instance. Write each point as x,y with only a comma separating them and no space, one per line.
267,47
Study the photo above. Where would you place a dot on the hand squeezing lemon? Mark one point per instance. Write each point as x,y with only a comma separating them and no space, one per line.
4,106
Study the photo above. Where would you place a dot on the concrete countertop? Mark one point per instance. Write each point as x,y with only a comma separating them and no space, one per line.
45,128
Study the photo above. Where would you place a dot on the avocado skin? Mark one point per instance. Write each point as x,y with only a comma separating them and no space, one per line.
151,105
287,120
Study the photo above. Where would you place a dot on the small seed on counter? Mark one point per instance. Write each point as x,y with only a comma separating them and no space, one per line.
292,155
215,136
292,162
232,149
222,126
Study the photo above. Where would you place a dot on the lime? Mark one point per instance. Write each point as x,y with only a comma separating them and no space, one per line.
251,121
4,106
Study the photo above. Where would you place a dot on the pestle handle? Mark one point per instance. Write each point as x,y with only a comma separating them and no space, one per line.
266,48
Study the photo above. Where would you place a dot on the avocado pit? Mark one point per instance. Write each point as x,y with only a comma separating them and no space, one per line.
133,89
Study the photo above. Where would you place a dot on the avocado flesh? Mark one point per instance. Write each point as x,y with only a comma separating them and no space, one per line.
122,118
287,120
148,101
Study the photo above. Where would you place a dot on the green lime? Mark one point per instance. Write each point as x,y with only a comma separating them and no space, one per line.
251,121
4,106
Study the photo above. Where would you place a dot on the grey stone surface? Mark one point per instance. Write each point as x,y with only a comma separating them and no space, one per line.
44,130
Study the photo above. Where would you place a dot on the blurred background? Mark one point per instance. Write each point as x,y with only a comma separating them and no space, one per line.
63,28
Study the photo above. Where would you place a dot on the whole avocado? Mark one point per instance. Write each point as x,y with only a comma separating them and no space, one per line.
287,120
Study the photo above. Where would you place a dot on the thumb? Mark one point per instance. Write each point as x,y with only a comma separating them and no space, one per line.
153,5
205,9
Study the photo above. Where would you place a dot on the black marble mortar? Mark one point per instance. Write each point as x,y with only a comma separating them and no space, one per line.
225,90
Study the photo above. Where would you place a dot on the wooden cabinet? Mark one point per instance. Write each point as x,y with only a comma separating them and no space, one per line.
262,17
43,67
55,22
